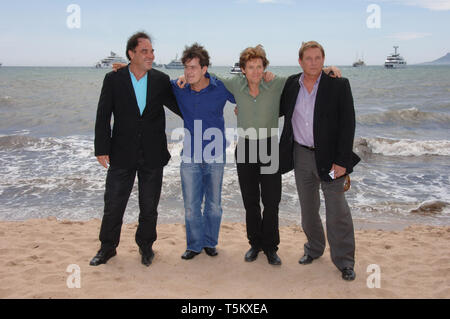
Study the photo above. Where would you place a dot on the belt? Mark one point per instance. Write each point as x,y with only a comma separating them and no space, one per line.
307,147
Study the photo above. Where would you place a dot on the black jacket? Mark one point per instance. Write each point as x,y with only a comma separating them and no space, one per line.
132,132
333,127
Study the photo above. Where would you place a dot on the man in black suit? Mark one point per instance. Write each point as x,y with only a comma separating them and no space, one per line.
135,95
317,142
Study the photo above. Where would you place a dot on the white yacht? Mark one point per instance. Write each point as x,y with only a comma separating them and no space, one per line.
395,60
107,63
236,69
175,64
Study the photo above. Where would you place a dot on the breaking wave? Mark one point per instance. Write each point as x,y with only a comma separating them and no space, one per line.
401,147
411,116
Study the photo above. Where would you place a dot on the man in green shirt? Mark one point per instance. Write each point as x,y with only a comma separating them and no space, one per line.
258,105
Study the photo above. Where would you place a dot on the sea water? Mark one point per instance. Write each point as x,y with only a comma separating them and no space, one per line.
48,167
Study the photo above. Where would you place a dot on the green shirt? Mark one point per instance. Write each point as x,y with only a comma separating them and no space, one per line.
261,112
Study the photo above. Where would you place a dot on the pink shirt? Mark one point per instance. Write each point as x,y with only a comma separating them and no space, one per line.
303,116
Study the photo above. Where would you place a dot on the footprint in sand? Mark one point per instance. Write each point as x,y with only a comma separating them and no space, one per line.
53,280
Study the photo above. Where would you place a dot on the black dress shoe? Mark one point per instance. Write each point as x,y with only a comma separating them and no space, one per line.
252,254
189,254
211,251
102,257
348,274
147,257
306,259
273,258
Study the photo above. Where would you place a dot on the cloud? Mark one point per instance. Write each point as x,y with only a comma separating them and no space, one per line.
408,35
285,2
276,1
435,5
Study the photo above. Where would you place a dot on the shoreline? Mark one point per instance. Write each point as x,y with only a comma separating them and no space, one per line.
35,255
358,224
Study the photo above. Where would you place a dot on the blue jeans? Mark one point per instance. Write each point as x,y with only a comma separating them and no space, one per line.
198,181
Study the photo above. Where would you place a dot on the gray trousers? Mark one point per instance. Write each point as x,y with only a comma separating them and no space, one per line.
339,223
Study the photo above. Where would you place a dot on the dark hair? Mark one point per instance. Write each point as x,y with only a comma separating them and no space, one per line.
133,41
195,51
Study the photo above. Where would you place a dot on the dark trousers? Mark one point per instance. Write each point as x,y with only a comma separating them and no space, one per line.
262,229
119,183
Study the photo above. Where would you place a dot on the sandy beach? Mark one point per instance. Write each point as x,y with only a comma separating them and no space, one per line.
414,262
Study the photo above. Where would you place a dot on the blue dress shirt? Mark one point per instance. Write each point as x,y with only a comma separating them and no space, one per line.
201,111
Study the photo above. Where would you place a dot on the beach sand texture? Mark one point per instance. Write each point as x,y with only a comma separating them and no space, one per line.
34,256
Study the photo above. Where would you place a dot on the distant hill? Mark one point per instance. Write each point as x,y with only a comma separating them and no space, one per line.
443,60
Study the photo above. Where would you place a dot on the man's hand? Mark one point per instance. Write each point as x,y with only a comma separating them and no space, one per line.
117,66
268,76
235,110
181,81
335,72
103,160
338,171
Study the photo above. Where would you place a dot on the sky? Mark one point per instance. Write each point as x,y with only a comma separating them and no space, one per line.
53,33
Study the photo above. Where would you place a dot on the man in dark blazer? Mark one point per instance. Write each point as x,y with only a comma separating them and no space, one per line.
135,95
317,142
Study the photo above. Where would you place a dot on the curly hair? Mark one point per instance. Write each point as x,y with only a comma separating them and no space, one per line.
196,51
253,53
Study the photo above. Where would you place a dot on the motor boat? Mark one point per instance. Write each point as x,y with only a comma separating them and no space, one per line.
395,60
107,62
236,69
175,64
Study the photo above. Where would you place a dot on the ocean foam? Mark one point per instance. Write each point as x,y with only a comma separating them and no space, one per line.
402,147
410,116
